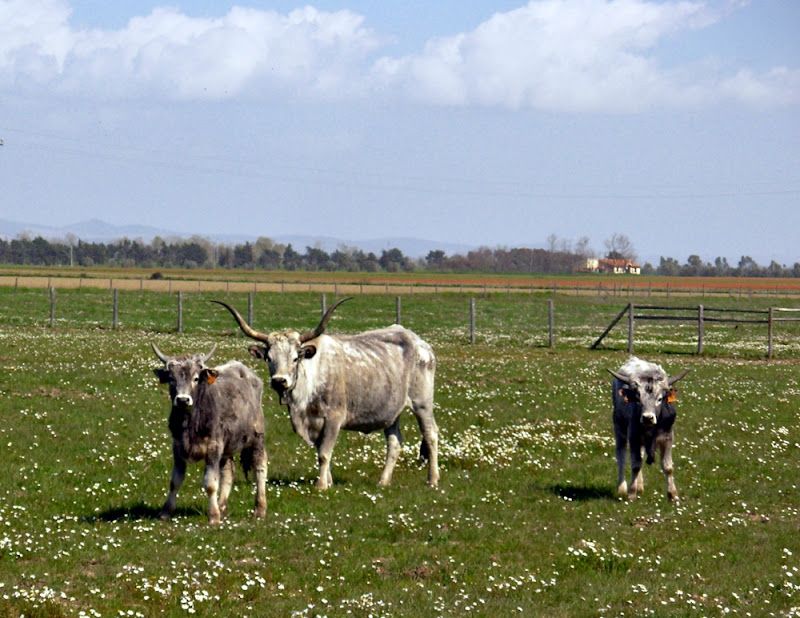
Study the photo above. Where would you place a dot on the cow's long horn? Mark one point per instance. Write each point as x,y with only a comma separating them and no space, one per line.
161,356
674,379
619,376
252,333
204,360
313,334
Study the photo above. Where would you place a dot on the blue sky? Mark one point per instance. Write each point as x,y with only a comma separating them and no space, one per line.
479,123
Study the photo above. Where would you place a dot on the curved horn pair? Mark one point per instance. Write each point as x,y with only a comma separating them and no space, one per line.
258,336
164,358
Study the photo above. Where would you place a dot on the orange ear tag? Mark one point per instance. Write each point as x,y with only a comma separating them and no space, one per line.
671,398
211,378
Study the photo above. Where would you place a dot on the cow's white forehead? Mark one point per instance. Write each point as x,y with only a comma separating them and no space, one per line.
286,336
634,367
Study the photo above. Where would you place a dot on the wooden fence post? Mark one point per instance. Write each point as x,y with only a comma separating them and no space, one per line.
116,308
180,312
324,306
397,311
250,309
52,306
630,328
472,320
769,332
700,329
551,323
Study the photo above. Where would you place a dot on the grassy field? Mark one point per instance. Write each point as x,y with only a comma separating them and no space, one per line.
525,521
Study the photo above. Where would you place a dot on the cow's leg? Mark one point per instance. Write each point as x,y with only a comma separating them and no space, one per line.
211,485
394,441
176,480
260,472
665,448
637,482
621,452
325,443
227,468
429,448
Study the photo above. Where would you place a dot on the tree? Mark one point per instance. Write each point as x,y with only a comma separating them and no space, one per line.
747,267
721,267
435,259
620,247
582,248
191,254
291,258
243,256
669,266
316,259
694,266
393,260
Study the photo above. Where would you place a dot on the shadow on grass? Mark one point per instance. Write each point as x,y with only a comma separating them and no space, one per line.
138,512
582,494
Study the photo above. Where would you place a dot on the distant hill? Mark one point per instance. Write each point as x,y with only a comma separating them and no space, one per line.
95,230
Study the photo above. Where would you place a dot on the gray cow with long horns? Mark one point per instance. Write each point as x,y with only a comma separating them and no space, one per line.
644,413
216,413
358,382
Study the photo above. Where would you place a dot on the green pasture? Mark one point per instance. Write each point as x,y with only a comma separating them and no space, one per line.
525,521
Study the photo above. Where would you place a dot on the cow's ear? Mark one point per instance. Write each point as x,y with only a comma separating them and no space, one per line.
308,351
209,375
258,351
163,375
627,393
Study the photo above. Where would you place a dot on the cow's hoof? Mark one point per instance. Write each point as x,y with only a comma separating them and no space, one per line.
164,516
260,513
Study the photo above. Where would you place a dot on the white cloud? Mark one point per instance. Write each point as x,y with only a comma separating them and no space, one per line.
247,52
575,55
593,55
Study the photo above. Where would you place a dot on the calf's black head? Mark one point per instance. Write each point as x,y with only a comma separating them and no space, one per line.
184,376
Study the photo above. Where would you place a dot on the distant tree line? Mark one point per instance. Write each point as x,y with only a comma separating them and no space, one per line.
560,257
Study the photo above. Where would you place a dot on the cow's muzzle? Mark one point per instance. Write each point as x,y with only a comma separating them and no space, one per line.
183,401
648,419
281,386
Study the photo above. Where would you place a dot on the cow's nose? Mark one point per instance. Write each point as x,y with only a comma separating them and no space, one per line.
279,383
648,419
183,401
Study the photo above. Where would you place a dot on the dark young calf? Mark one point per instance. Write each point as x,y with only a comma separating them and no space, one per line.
216,413
644,413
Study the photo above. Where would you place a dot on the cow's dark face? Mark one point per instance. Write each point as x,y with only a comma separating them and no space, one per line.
282,354
184,376
649,393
